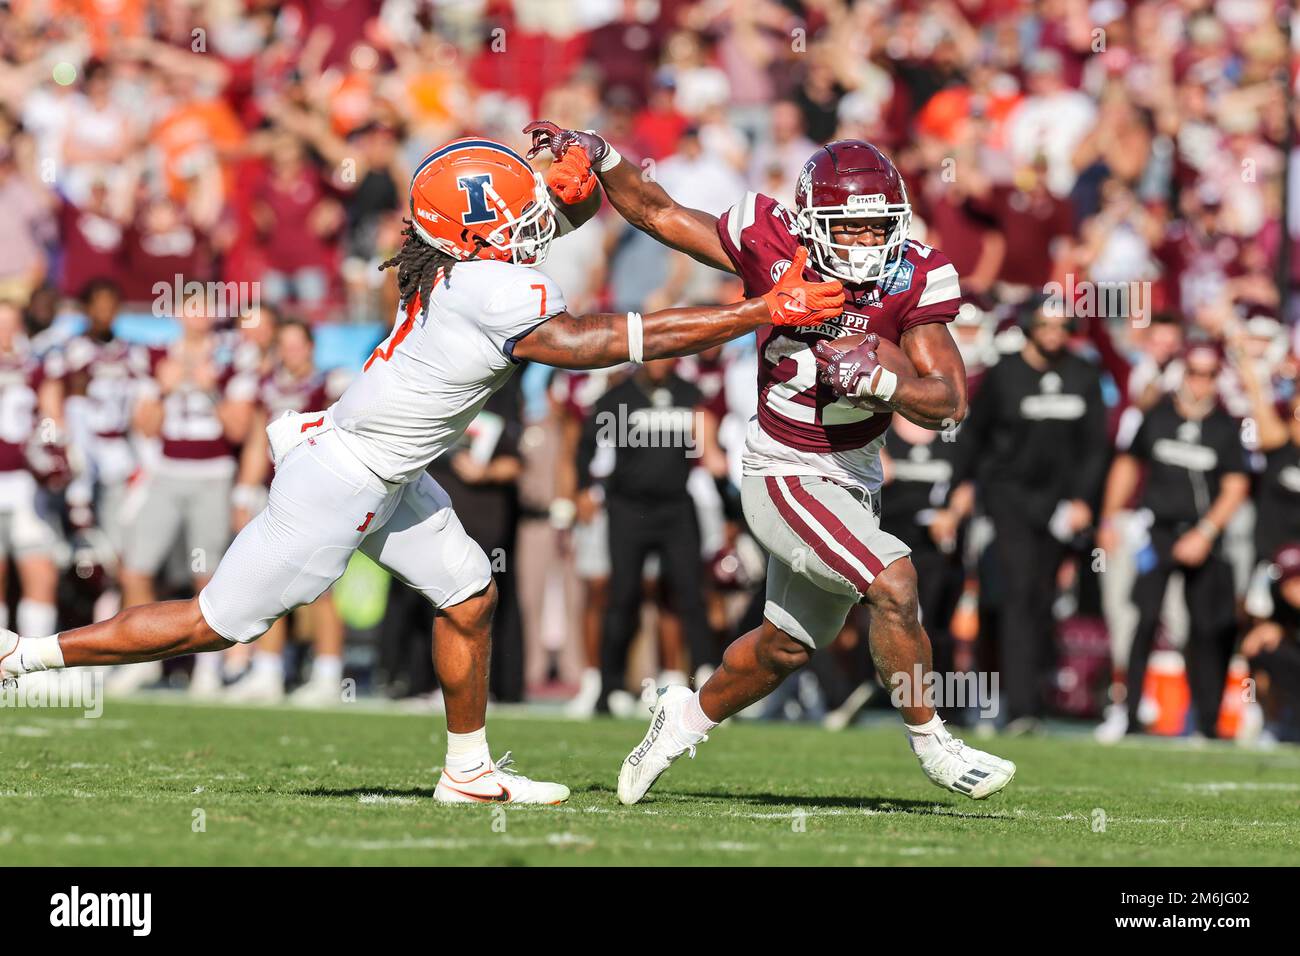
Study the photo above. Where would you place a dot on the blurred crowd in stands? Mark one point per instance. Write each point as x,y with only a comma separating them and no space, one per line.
1132,153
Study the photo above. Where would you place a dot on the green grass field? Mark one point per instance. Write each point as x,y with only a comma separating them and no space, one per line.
354,786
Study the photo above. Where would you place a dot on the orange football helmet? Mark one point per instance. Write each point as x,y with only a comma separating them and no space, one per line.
478,199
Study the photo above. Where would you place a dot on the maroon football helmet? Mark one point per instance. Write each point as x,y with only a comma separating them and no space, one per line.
850,179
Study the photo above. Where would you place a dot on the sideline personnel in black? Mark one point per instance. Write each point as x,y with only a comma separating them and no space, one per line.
656,427
1195,481
1035,443
1272,646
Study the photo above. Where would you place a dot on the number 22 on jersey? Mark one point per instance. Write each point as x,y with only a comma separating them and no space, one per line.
797,357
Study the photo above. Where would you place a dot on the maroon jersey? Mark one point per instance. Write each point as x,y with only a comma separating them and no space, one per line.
760,237
578,391
102,381
21,375
106,374
280,392
191,428
709,375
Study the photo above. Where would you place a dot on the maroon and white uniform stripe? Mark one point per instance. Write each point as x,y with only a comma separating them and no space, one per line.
830,539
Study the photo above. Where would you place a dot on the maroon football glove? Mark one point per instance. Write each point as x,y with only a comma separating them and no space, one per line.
546,135
857,373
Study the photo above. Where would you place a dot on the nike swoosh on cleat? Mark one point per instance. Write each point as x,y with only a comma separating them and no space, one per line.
502,797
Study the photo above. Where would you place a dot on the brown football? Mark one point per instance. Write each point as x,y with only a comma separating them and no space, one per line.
887,353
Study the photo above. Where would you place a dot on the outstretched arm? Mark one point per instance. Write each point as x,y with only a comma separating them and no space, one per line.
637,197
596,341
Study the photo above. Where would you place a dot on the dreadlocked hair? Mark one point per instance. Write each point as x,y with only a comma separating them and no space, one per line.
417,265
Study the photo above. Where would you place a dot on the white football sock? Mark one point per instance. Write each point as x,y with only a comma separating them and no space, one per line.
36,617
327,669
4,615
694,722
35,654
210,664
923,736
467,752
268,662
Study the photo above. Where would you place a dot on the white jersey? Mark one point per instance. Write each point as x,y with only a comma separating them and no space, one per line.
425,383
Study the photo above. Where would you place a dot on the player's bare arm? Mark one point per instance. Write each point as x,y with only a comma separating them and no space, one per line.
639,199
936,398
597,341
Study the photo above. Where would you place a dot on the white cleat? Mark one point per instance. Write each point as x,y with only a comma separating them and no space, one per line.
1114,727
497,784
129,678
8,644
583,703
317,693
621,703
661,746
257,686
950,764
206,683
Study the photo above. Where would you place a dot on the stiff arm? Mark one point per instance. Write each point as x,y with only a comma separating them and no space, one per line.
598,341
644,203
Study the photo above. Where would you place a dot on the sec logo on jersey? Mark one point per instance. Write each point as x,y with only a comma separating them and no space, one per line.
779,268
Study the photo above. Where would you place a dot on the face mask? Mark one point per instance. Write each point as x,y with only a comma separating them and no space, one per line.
866,260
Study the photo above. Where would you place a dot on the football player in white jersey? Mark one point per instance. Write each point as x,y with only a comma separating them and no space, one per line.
352,477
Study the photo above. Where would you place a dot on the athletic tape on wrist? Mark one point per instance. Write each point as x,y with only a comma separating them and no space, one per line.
609,160
886,381
635,338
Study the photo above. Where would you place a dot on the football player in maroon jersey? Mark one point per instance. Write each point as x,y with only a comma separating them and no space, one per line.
812,472
31,415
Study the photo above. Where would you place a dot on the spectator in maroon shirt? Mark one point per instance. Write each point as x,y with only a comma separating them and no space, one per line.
161,244
956,224
298,225
1032,221
92,237
660,126
626,50
344,22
